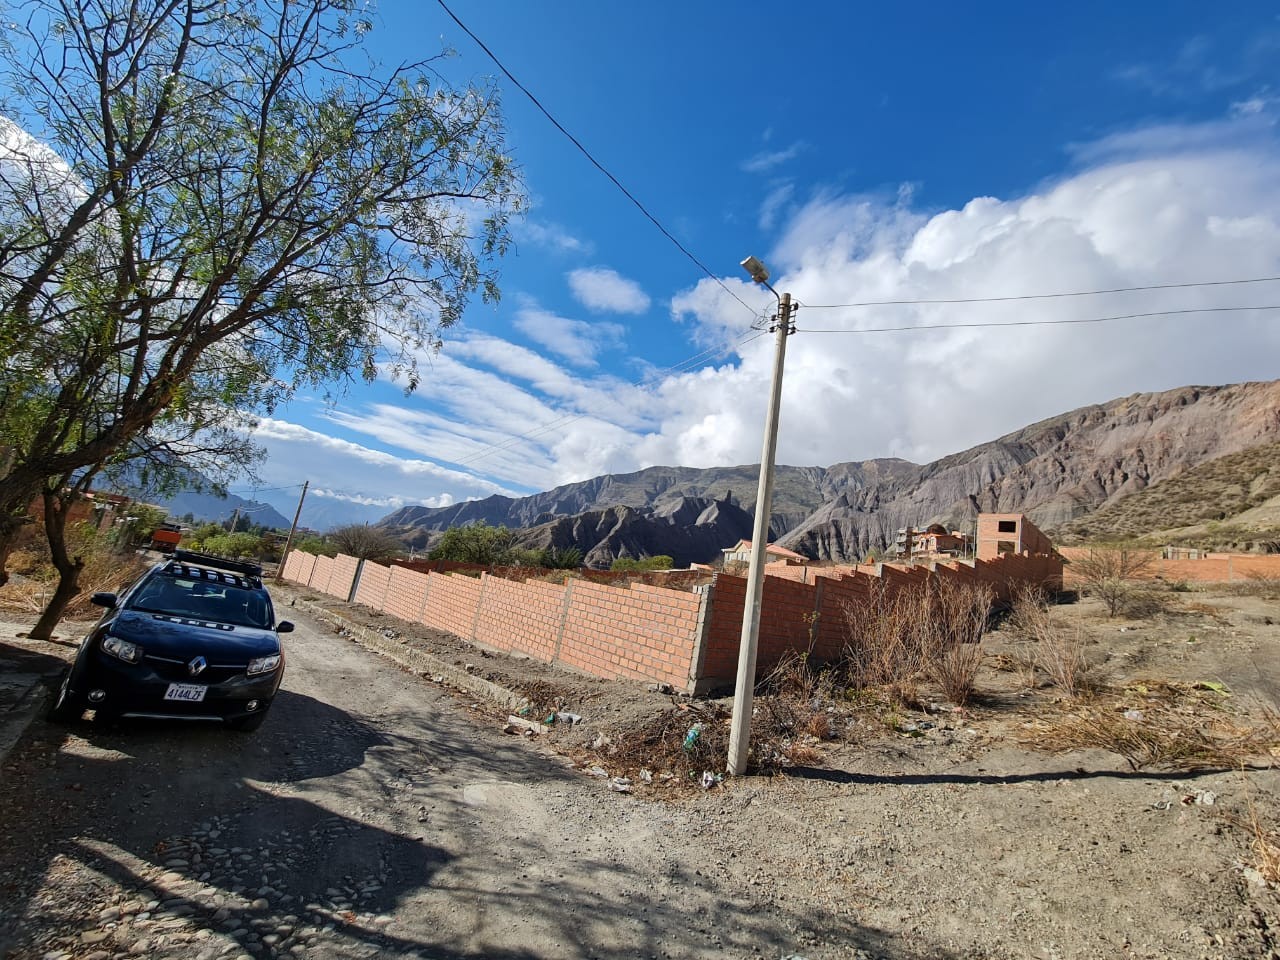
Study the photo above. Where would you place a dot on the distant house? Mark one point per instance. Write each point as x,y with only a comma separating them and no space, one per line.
932,543
741,551
1000,533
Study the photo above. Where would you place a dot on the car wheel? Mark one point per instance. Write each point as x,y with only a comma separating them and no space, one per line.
248,724
66,708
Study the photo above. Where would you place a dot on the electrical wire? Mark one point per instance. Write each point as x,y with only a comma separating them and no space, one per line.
1036,323
1039,296
254,490
596,163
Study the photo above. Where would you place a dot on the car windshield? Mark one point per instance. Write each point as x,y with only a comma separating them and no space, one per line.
222,598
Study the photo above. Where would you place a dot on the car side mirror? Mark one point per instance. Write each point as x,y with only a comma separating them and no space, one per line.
107,600
284,626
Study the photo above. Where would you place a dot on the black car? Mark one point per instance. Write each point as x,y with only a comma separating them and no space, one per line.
194,638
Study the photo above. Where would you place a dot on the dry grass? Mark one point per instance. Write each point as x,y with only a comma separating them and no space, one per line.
1265,843
1255,585
105,571
1160,723
1057,650
932,632
792,716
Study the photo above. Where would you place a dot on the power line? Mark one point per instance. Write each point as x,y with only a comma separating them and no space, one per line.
596,163
1036,323
1038,296
256,490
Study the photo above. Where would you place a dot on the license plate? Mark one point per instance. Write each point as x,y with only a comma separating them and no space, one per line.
188,692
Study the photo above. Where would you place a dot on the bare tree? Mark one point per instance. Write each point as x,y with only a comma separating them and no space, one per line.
1109,574
218,192
364,542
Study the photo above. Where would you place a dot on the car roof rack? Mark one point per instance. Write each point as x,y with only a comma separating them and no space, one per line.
205,560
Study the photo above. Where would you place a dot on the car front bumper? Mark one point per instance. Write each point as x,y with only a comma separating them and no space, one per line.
109,685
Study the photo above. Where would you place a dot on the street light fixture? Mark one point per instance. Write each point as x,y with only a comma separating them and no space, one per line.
744,691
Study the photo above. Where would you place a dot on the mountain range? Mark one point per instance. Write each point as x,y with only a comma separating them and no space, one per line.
1055,471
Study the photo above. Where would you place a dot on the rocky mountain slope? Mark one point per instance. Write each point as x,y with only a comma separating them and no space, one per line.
1215,504
1055,471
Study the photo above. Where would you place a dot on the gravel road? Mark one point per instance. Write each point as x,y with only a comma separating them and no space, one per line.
373,814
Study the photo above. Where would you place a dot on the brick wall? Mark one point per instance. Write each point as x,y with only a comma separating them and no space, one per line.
643,633
686,637
321,574
372,589
342,576
521,617
298,568
406,591
1211,568
452,602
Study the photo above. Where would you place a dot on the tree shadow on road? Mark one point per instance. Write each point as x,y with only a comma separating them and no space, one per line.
298,833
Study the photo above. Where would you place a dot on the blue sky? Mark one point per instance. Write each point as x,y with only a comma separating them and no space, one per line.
865,152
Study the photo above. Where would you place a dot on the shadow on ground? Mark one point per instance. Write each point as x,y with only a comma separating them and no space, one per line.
134,802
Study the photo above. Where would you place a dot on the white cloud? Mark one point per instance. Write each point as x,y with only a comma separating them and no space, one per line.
575,340
1154,206
1143,215
774,202
606,291
770,159
550,236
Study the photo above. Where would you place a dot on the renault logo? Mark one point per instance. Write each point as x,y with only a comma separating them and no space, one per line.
196,666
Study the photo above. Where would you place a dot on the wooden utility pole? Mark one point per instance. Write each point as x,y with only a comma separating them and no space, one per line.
288,544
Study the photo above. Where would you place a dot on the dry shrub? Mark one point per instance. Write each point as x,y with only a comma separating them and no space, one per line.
1255,584
886,645
664,746
928,631
790,719
962,613
543,697
1159,736
106,570
794,699
1108,573
1057,650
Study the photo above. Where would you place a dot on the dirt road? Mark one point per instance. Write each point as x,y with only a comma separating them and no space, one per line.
371,815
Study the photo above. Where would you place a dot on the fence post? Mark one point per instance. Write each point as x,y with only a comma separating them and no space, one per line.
564,616
698,659
475,620
355,581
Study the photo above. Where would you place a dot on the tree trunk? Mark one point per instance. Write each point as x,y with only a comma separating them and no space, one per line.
57,503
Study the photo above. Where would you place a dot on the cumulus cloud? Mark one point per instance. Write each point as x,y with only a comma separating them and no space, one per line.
606,291
1141,216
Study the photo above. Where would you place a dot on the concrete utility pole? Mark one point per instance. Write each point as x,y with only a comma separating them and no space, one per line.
744,691
288,543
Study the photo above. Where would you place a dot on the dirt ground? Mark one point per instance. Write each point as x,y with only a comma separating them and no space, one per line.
1027,824
1138,820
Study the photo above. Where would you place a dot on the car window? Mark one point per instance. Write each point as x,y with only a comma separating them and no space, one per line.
204,599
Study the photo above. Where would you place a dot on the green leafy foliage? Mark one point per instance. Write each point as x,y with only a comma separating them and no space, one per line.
660,562
205,209
475,543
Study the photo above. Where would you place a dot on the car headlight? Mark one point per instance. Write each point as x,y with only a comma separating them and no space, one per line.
122,649
263,664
